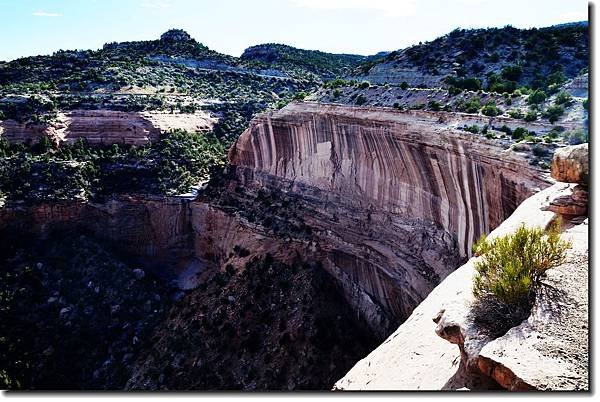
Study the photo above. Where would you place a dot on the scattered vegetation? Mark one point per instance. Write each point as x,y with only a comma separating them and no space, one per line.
536,97
471,106
553,113
575,137
501,60
174,164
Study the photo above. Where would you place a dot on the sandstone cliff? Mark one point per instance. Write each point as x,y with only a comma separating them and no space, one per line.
388,202
106,127
547,351
154,230
393,199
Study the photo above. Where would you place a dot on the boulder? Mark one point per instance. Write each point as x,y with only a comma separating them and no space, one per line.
571,164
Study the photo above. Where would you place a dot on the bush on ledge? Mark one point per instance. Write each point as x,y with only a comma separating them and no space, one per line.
509,273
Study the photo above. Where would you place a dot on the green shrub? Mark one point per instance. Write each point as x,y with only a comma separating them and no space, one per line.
472,129
500,85
512,265
515,114
472,106
556,78
404,85
585,103
512,73
469,83
434,105
281,104
360,100
300,95
454,91
519,133
490,109
336,83
505,129
364,85
531,116
563,98
536,97
553,113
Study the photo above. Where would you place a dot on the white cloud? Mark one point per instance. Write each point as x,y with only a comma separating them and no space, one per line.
45,14
156,4
390,8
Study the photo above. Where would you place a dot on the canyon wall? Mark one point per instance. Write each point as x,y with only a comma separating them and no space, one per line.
441,346
155,231
105,127
411,164
393,200
387,202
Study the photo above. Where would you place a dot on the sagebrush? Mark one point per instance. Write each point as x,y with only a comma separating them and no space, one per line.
511,266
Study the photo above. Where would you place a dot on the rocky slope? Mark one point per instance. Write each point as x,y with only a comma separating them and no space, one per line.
270,326
488,55
73,313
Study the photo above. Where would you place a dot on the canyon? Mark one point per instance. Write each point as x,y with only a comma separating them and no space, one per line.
381,204
390,202
175,218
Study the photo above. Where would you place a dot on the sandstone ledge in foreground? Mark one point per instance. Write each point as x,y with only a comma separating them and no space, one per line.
415,358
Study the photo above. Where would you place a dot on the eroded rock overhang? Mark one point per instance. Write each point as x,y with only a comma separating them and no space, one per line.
394,199
413,164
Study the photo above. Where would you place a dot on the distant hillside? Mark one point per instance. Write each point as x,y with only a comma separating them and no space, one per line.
293,60
497,59
174,71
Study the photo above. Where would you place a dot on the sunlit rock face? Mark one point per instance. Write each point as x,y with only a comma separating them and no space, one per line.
394,199
106,127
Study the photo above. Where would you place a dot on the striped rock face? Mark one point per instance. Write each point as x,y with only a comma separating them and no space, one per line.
395,199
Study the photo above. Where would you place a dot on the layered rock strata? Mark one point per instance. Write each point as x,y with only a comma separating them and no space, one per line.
387,202
394,199
547,351
106,127
415,357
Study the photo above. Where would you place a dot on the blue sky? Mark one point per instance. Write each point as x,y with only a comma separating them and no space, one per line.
32,27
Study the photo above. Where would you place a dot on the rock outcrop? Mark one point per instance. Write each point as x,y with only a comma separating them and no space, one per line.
571,164
388,202
416,358
106,127
547,351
